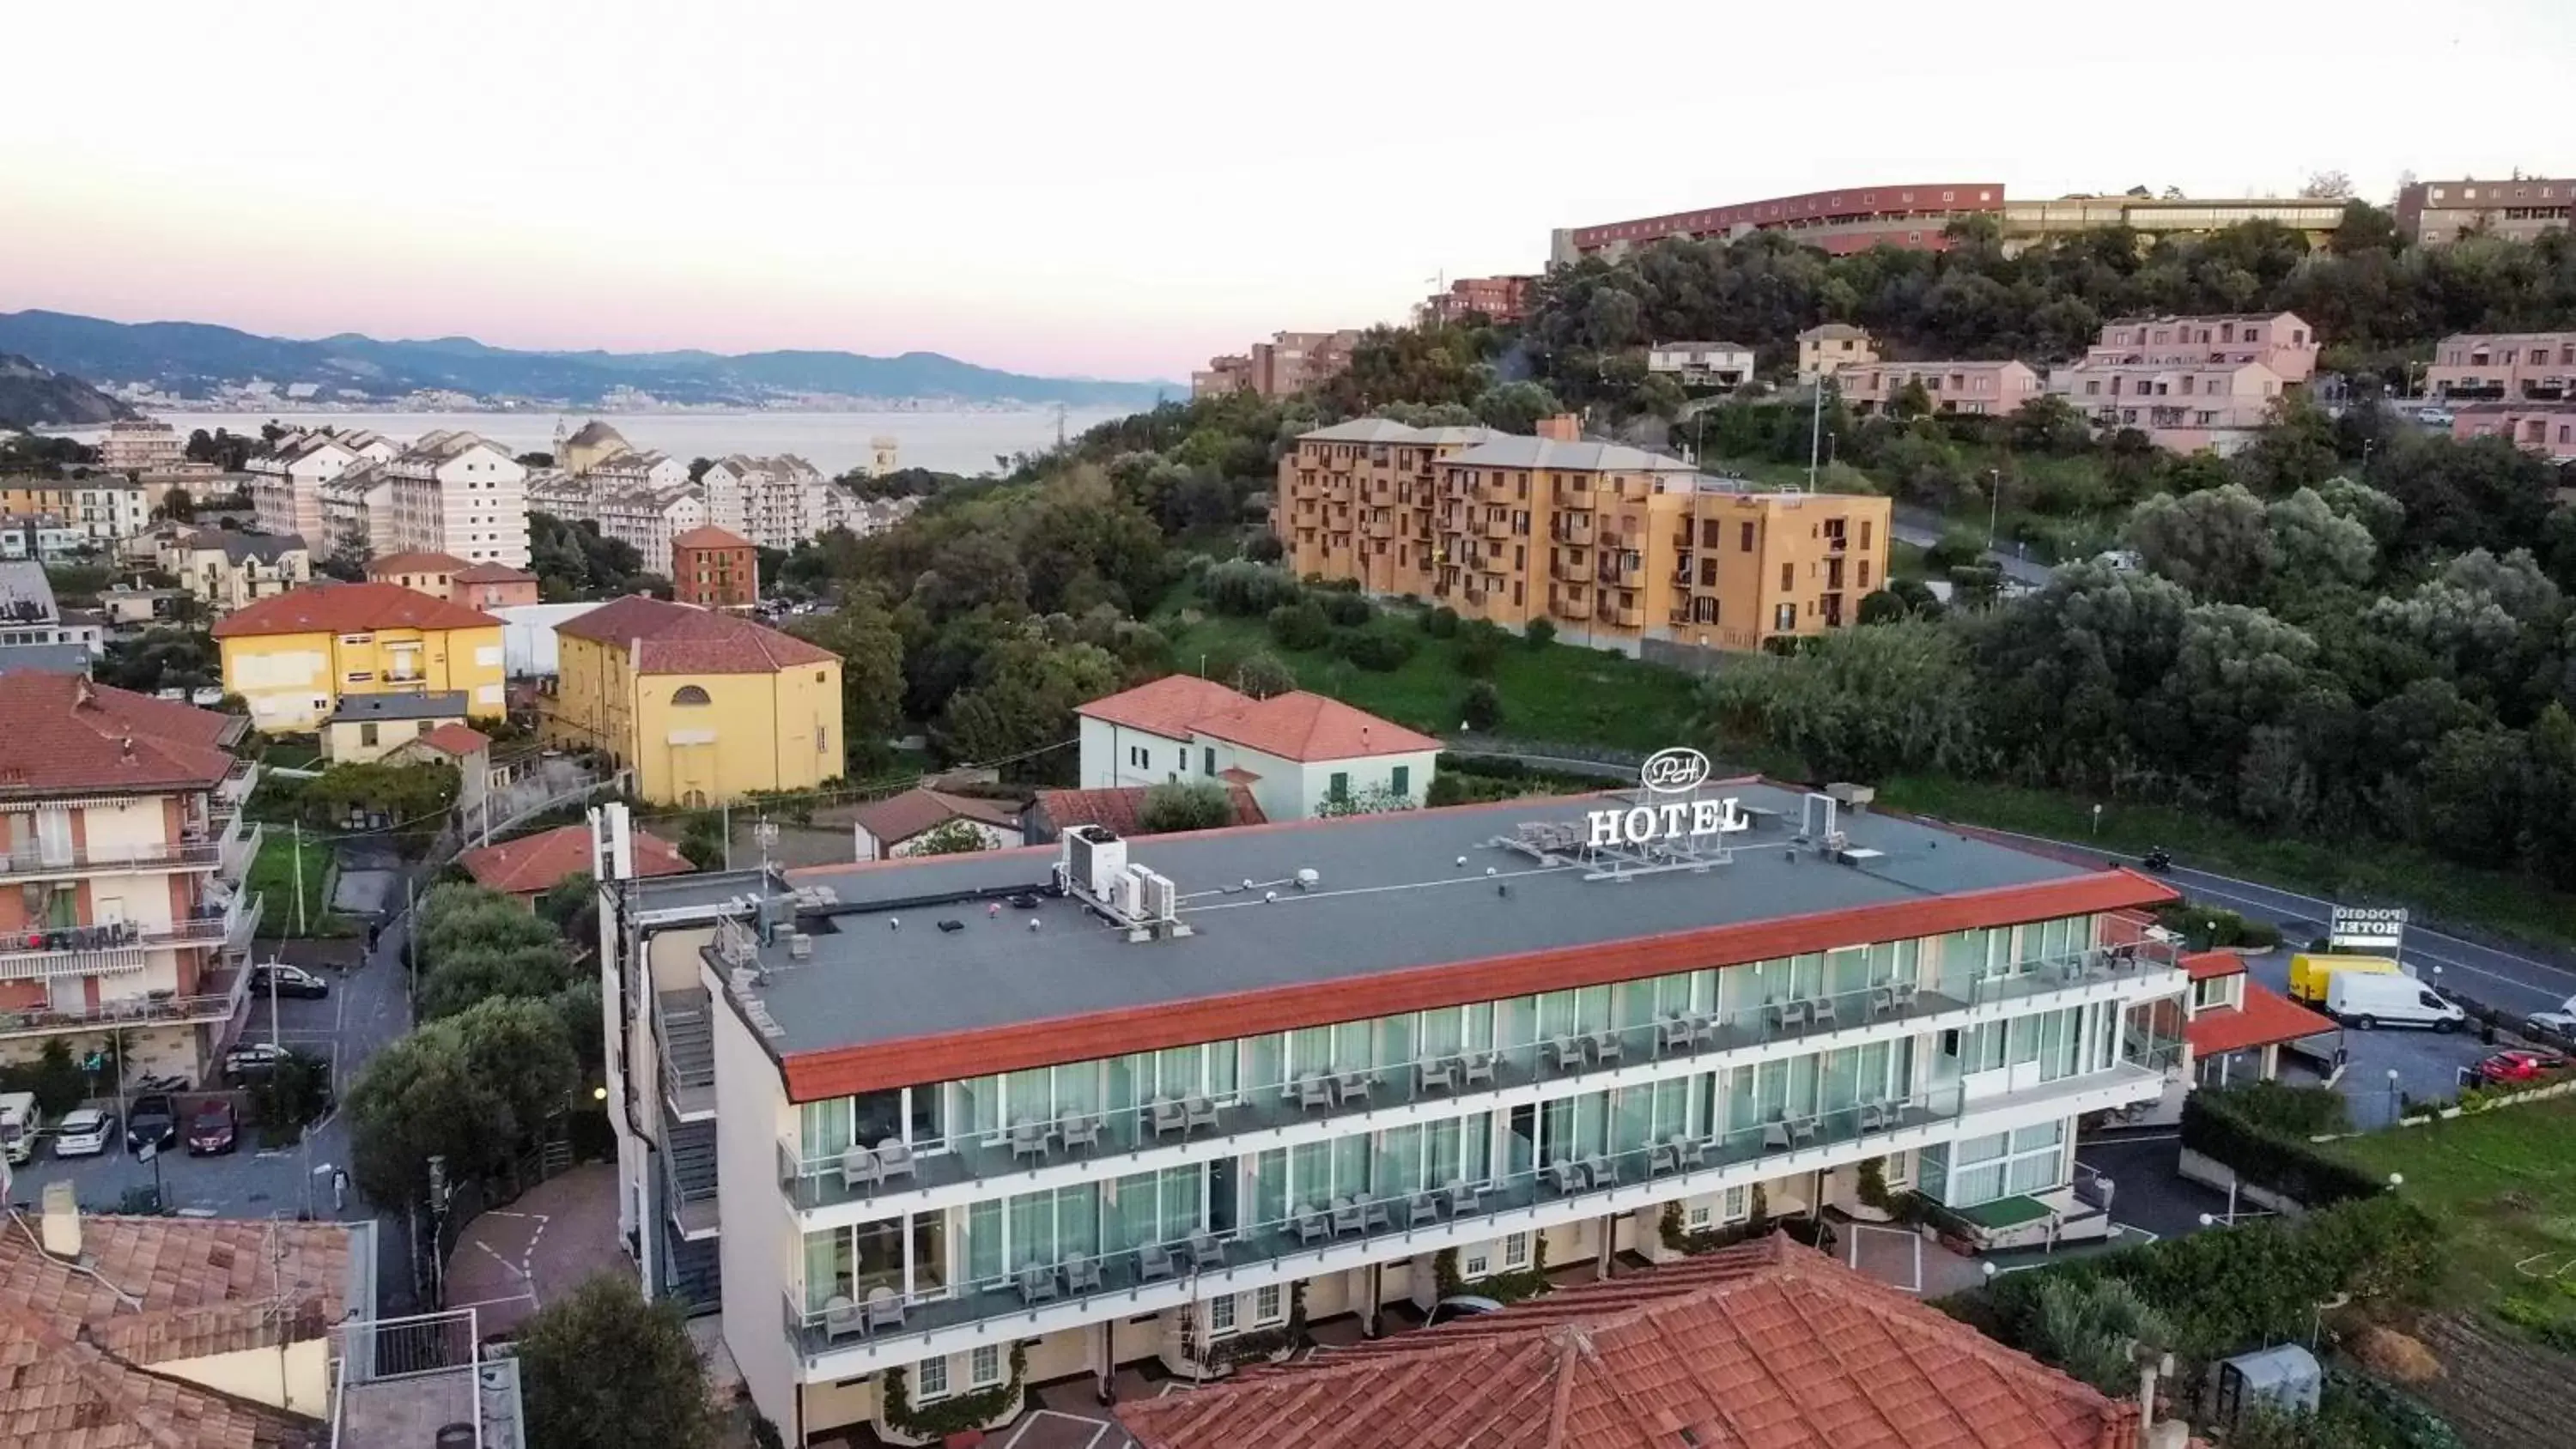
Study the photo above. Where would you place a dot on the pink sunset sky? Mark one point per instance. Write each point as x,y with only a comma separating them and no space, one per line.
1121,189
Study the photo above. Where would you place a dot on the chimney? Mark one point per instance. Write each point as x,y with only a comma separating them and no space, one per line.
1562,428
62,1229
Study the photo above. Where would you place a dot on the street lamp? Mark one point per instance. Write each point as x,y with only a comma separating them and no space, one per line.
1994,502
2392,1095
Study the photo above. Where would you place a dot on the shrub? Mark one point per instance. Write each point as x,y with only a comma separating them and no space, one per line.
1482,709
1265,548
1185,805
2206,928
1372,650
1540,633
1480,646
1349,611
2085,1326
1300,625
1441,623
1246,589
1263,675
2263,1148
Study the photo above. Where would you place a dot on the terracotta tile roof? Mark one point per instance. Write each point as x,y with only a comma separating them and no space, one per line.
2266,1017
1764,1346
350,609
77,1354
710,536
1118,809
493,573
456,739
2206,965
1310,727
541,862
414,563
898,818
1168,707
678,639
60,732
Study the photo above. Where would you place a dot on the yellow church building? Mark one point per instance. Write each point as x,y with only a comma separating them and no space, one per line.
704,707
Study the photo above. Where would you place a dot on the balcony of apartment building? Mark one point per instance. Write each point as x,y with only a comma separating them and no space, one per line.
1572,564
1619,570
1407,1203
50,861
218,1000
1497,525
1377,523
44,951
1623,616
424,1380
1837,539
1573,529
1570,603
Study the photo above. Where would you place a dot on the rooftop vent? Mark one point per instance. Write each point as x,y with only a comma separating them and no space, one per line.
800,947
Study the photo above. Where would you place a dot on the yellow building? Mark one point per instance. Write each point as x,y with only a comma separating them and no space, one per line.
705,707
1616,545
293,657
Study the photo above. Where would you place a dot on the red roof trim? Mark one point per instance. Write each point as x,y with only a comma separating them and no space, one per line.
841,1071
2266,1018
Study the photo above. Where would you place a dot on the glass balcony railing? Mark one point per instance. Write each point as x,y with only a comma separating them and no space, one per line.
857,1312
873,1170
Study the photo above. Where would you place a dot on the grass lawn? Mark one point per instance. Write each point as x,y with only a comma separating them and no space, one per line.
2506,1182
294,754
2336,869
1557,693
273,876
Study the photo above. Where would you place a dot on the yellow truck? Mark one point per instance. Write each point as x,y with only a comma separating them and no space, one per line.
2312,972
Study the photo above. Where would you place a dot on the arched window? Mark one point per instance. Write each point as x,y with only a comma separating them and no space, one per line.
688,694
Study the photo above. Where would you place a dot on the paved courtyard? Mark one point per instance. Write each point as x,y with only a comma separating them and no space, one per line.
513,1260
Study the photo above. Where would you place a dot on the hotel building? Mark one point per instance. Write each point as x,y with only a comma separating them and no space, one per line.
1020,1116
1616,545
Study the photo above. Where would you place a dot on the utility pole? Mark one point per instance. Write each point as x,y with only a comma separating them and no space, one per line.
1815,434
1994,502
299,877
727,807
411,943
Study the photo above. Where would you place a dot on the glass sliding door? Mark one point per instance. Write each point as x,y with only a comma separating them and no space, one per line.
826,1129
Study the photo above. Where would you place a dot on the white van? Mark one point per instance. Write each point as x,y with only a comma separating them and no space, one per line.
2367,1000
20,1121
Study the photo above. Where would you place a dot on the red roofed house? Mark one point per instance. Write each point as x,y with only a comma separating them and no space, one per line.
535,864
901,824
125,919
294,656
703,706
445,576
1120,811
2235,1027
714,569
1766,1345
470,751
1297,752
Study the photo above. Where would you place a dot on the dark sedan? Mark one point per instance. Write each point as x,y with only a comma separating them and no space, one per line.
278,978
154,1123
212,1130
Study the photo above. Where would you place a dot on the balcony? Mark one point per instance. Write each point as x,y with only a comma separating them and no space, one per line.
39,863
1498,527
157,1008
1415,1218
1442,1085
236,850
1619,574
1837,543
1573,568
1566,607
1576,530
46,951
1631,617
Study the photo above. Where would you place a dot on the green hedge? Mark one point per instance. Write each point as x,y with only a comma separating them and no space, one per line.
2219,1125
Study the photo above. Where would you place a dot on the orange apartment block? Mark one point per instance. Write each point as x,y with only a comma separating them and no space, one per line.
715,569
1615,545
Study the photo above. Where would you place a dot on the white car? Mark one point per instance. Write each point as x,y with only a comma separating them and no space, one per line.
208,696
2435,417
84,1133
2560,1018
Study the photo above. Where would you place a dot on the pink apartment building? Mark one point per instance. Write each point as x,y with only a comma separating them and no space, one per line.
2504,366
2281,341
1988,389
1289,363
2518,208
2546,428
2184,408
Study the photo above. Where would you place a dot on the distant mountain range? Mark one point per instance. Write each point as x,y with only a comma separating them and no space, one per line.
195,360
34,396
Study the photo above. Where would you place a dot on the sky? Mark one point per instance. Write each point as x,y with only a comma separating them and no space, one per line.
1120,189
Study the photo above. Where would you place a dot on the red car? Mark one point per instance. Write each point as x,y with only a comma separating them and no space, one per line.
2515,1065
212,1129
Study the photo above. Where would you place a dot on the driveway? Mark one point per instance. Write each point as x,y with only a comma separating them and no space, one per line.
512,1260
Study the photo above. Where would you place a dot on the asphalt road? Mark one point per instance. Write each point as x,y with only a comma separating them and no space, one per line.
2022,570
367,1008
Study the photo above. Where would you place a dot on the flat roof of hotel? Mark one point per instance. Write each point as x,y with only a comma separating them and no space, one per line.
1392,894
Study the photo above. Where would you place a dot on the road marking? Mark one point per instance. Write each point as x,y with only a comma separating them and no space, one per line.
1099,1428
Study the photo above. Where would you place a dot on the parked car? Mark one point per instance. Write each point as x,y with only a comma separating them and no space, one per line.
154,1122
212,1129
84,1133
2433,417
2560,1018
258,1059
2513,1066
288,980
206,696
1460,1305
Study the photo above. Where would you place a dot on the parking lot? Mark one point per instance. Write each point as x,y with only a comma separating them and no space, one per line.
364,1010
